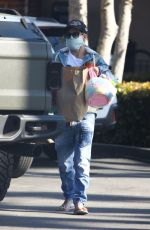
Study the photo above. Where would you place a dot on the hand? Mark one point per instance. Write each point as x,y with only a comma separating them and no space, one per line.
96,70
93,71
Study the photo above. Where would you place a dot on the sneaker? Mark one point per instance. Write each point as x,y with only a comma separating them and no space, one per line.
67,205
80,209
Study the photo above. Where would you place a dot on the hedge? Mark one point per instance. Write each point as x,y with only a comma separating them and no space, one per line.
133,116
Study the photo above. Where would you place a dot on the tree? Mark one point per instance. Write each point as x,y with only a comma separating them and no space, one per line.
118,61
78,10
110,30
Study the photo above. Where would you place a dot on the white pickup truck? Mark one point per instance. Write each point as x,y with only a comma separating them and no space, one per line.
25,96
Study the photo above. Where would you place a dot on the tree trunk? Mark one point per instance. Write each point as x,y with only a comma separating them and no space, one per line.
118,61
109,29
78,10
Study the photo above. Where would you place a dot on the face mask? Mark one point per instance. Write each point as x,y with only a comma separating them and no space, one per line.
74,43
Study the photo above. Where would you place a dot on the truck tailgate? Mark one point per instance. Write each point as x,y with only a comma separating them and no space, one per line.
22,74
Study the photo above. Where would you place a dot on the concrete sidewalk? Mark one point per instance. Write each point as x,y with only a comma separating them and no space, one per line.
119,198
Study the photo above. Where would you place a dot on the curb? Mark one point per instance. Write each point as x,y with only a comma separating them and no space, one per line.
100,150
115,151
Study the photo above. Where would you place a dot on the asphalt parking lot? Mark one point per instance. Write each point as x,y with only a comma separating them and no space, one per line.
119,198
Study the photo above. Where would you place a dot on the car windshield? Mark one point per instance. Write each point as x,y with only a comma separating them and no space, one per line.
18,30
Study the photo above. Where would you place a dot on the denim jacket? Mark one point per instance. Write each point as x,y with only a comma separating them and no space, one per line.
91,58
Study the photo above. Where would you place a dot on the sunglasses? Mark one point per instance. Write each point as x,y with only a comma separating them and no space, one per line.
73,34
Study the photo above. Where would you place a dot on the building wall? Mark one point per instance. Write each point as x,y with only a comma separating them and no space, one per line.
57,9
140,26
25,7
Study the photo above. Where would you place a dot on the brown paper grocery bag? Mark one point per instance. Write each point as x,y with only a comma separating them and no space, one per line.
71,97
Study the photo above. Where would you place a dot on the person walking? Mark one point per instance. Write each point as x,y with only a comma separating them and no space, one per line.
73,145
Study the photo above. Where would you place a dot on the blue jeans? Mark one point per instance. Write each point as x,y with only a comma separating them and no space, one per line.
73,148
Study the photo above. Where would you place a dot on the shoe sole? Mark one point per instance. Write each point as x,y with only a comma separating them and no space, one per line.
80,212
65,210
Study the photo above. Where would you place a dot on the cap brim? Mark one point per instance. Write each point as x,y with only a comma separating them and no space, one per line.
76,27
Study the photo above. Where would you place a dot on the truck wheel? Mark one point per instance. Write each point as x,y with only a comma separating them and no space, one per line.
6,168
21,165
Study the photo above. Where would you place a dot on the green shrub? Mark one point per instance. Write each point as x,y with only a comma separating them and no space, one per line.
133,126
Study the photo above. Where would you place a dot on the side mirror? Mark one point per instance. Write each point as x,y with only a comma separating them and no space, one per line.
54,76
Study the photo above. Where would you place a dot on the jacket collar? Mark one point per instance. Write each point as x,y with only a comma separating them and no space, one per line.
63,53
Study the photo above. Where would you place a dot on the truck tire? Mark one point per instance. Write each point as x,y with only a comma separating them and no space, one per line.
21,165
6,168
